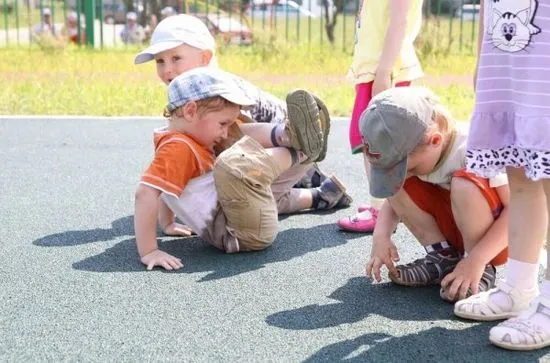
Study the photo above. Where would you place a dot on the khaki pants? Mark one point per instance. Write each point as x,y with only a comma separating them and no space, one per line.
286,196
243,176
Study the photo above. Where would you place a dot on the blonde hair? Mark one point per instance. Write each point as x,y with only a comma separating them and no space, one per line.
441,120
204,106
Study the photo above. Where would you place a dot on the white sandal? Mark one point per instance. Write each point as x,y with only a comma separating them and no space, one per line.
480,307
523,333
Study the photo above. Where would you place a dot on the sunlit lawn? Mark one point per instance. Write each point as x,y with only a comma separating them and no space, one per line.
72,81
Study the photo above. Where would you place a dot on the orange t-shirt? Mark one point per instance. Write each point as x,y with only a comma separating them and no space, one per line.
178,159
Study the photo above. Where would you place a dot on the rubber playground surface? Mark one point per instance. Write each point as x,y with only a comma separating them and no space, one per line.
72,288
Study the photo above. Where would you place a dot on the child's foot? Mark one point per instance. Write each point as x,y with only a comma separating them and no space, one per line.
362,222
430,270
501,302
324,117
332,194
364,207
529,331
313,178
344,202
486,283
304,125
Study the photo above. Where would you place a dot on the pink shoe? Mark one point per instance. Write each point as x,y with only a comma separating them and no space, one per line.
364,207
356,224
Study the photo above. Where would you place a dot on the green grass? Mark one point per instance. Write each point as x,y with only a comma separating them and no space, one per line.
72,81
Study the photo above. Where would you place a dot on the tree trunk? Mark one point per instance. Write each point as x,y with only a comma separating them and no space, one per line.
273,17
330,20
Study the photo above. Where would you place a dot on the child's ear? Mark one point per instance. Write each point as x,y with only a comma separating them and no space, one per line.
190,110
206,57
436,139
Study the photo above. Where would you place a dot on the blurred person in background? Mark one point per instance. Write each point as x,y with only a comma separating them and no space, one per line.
132,33
150,28
166,12
70,29
45,27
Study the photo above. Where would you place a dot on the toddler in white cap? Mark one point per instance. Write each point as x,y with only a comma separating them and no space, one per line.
183,42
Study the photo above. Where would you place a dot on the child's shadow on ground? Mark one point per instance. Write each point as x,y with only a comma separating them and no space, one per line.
359,298
436,344
119,228
196,254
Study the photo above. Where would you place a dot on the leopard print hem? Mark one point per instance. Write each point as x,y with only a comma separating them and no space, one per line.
490,162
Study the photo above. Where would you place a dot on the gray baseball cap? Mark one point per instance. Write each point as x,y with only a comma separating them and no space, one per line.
393,124
205,82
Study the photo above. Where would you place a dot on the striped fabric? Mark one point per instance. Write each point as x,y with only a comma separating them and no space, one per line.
513,85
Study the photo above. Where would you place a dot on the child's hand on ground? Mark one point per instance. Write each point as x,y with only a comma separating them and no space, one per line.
176,229
385,253
466,274
161,258
382,81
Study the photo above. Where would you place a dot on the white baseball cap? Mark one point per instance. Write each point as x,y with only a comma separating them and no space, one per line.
175,31
131,15
46,11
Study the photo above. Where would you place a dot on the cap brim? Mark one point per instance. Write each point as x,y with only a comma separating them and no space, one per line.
239,98
384,182
149,53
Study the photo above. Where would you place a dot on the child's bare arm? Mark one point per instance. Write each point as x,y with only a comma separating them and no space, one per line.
145,222
395,34
468,272
383,250
496,237
387,221
145,225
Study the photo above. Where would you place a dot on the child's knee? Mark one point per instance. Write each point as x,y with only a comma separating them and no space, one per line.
467,196
462,187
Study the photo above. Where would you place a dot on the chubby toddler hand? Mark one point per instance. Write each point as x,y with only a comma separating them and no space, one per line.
163,259
466,275
385,253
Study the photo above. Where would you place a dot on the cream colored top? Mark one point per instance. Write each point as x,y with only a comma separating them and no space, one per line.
454,160
370,32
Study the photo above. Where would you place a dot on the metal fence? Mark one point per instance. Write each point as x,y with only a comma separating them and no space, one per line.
449,25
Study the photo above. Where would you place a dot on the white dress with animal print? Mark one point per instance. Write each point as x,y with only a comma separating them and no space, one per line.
511,121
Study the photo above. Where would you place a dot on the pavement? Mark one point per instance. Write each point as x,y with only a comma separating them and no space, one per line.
72,288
